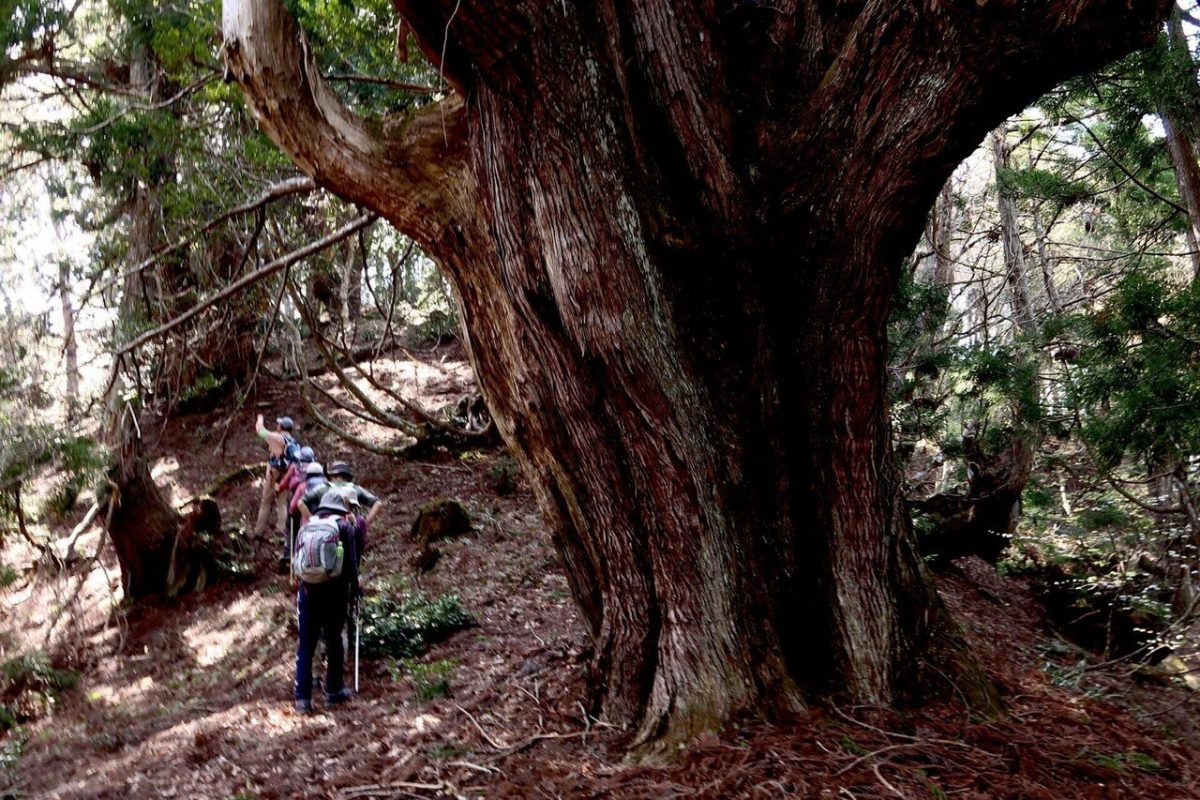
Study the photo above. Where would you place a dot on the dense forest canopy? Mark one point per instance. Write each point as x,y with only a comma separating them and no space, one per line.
781,311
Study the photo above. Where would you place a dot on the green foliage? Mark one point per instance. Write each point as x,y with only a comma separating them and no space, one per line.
11,746
27,26
1043,184
79,464
1138,378
356,39
445,751
407,626
1105,515
850,745
438,325
29,685
429,680
1121,762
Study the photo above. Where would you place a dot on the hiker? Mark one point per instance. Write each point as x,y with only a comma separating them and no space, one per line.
292,485
326,588
282,449
314,476
341,477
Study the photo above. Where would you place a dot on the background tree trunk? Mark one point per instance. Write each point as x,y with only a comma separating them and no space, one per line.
1187,181
142,524
70,351
1014,251
942,237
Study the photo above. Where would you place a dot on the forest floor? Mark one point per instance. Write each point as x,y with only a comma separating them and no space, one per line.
191,698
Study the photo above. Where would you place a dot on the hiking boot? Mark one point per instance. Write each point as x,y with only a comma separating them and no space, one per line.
339,697
304,707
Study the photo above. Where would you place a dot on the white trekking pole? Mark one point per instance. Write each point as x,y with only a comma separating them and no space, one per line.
357,642
291,549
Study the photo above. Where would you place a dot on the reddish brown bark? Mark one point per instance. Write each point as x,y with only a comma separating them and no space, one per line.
675,230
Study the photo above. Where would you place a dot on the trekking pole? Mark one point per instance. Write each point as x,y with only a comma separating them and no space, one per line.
292,522
357,641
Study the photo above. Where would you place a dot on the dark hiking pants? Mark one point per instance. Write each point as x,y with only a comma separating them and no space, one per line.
322,615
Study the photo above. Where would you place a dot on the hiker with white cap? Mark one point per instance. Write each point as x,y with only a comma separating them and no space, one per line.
364,505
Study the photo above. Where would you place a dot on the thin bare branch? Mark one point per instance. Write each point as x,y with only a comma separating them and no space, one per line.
249,280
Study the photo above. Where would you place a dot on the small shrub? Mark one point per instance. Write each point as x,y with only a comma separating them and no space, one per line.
429,680
437,326
8,576
29,685
406,627
81,461
445,751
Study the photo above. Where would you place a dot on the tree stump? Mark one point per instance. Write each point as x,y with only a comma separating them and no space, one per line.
436,520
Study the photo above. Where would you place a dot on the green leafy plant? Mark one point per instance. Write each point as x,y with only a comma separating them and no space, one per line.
429,680
29,686
407,626
11,748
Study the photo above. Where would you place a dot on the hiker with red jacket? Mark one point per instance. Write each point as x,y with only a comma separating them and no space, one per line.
314,476
326,562
293,485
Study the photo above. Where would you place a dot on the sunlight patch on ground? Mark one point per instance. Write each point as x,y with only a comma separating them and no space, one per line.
30,606
114,695
164,471
430,386
212,639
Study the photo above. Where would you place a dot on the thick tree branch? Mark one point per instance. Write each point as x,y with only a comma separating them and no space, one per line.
913,113
382,415
401,85
326,422
410,169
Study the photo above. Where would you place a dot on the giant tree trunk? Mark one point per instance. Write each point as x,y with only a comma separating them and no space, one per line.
674,230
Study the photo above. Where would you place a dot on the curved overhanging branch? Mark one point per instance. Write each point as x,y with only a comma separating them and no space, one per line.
409,169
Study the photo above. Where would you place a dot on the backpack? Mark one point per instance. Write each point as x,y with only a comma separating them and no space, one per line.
291,453
319,551
291,450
